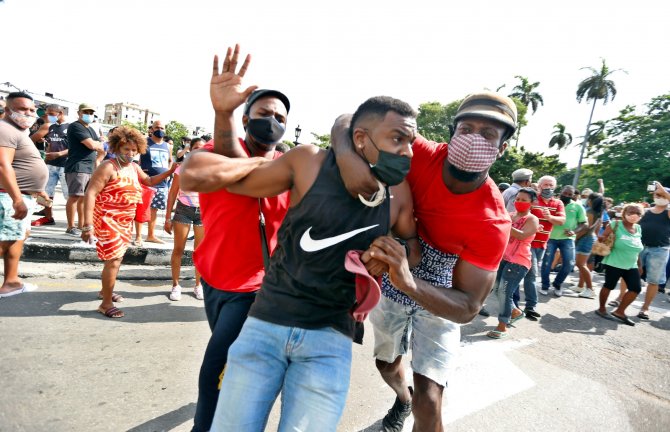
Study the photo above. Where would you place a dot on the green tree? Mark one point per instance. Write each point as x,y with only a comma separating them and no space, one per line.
322,141
526,94
559,137
597,134
596,87
516,157
434,120
140,126
176,131
521,121
636,151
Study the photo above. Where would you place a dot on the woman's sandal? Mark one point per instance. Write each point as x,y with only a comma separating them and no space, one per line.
112,312
614,303
643,315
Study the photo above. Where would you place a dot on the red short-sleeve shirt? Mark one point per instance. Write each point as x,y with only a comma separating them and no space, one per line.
556,208
474,226
230,256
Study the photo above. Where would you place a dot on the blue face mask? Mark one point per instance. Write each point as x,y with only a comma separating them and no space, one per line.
87,118
159,133
53,119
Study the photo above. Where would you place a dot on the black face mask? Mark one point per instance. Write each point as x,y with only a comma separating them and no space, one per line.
265,130
566,200
391,169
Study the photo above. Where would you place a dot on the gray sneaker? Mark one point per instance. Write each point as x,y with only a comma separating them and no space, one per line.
395,418
74,231
558,292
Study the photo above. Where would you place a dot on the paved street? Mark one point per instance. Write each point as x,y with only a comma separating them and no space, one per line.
65,367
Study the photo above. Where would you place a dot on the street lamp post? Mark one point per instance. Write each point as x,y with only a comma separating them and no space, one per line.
297,135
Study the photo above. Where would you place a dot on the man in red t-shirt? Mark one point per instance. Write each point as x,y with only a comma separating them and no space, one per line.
230,257
550,211
463,227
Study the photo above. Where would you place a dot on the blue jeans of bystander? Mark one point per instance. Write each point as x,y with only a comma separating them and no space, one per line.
567,248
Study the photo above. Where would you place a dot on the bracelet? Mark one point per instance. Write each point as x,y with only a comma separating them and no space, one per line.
87,228
404,243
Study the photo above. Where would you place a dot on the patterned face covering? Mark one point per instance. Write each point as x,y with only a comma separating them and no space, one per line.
23,121
471,153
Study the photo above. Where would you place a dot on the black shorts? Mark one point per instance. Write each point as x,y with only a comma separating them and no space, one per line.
630,276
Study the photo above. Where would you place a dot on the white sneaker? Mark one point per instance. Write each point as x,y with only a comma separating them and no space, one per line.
558,292
576,289
544,291
197,292
587,293
175,295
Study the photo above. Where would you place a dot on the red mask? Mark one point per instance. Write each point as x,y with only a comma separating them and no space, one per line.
521,206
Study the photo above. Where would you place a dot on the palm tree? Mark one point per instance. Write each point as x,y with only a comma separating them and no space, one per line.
597,134
526,93
560,138
596,87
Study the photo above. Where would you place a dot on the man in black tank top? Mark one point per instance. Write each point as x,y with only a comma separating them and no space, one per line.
297,338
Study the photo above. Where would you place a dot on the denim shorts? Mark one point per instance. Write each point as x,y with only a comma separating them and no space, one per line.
187,215
56,174
14,229
434,341
654,260
584,244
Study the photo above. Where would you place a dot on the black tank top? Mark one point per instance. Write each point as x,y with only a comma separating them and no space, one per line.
655,229
307,285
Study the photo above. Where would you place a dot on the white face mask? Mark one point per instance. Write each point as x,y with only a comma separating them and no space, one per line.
22,120
661,202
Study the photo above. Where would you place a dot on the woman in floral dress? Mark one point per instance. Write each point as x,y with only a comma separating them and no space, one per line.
110,202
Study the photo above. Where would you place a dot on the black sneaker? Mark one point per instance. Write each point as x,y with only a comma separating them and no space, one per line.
39,213
531,314
395,418
484,312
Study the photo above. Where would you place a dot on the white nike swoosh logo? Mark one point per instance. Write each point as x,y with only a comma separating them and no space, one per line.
308,244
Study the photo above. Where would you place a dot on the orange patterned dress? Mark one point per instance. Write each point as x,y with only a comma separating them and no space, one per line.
115,210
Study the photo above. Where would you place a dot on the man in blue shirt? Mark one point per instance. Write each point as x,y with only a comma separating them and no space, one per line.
156,160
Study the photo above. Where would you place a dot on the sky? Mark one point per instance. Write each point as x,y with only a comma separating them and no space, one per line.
329,57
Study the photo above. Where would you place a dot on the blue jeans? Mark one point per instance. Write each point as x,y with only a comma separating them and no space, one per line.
226,312
567,248
310,367
529,286
507,282
56,174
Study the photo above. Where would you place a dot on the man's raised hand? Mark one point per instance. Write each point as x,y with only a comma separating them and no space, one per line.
225,88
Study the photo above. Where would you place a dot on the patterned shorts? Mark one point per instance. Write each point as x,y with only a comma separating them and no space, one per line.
14,229
160,198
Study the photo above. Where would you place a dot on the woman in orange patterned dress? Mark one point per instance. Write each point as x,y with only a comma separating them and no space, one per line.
111,198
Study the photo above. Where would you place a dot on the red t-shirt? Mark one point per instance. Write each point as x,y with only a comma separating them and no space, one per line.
474,226
230,257
556,208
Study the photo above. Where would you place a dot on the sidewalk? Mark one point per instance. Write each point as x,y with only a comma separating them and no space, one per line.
51,243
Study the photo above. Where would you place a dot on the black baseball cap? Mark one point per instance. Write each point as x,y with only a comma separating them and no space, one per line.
261,93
